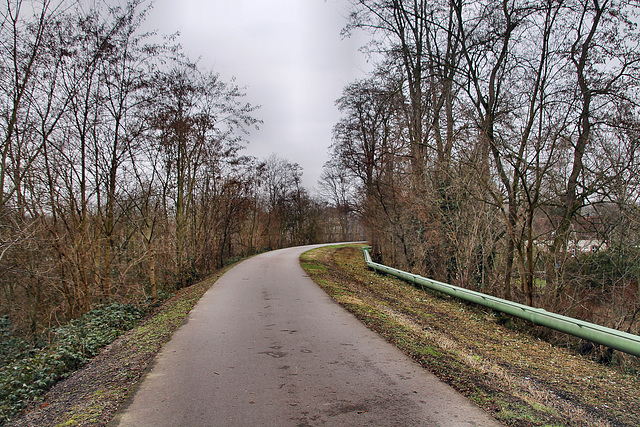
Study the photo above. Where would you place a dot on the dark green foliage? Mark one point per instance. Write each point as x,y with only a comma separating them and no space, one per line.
231,260
605,268
11,346
26,373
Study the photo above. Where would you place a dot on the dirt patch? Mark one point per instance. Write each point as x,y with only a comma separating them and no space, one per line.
520,380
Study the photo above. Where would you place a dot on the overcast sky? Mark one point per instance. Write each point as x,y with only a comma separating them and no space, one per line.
289,55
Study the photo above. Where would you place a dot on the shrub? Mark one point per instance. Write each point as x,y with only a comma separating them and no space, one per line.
11,346
28,372
605,268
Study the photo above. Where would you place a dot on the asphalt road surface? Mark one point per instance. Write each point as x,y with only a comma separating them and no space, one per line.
266,346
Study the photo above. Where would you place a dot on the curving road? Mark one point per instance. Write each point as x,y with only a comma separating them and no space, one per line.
266,346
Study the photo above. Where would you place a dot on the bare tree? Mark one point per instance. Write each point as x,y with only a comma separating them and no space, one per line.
336,186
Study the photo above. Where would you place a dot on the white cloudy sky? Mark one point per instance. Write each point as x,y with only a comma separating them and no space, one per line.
289,55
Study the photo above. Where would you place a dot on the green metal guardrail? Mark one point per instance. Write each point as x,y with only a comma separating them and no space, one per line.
613,338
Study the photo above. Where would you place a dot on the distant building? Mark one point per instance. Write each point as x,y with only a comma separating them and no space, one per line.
585,245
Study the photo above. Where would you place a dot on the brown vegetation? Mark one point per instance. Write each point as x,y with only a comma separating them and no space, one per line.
495,141
92,395
121,166
520,380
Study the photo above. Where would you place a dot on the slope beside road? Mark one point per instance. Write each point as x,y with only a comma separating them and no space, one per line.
266,346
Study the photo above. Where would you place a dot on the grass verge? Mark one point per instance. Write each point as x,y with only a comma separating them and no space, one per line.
520,380
92,395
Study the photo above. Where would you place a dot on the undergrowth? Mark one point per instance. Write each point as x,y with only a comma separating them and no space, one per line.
28,370
92,396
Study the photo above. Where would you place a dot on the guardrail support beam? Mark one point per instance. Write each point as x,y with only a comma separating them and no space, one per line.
619,340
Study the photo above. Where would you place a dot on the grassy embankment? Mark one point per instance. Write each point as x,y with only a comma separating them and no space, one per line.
92,395
520,380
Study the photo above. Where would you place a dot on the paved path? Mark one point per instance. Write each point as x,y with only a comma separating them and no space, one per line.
267,347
